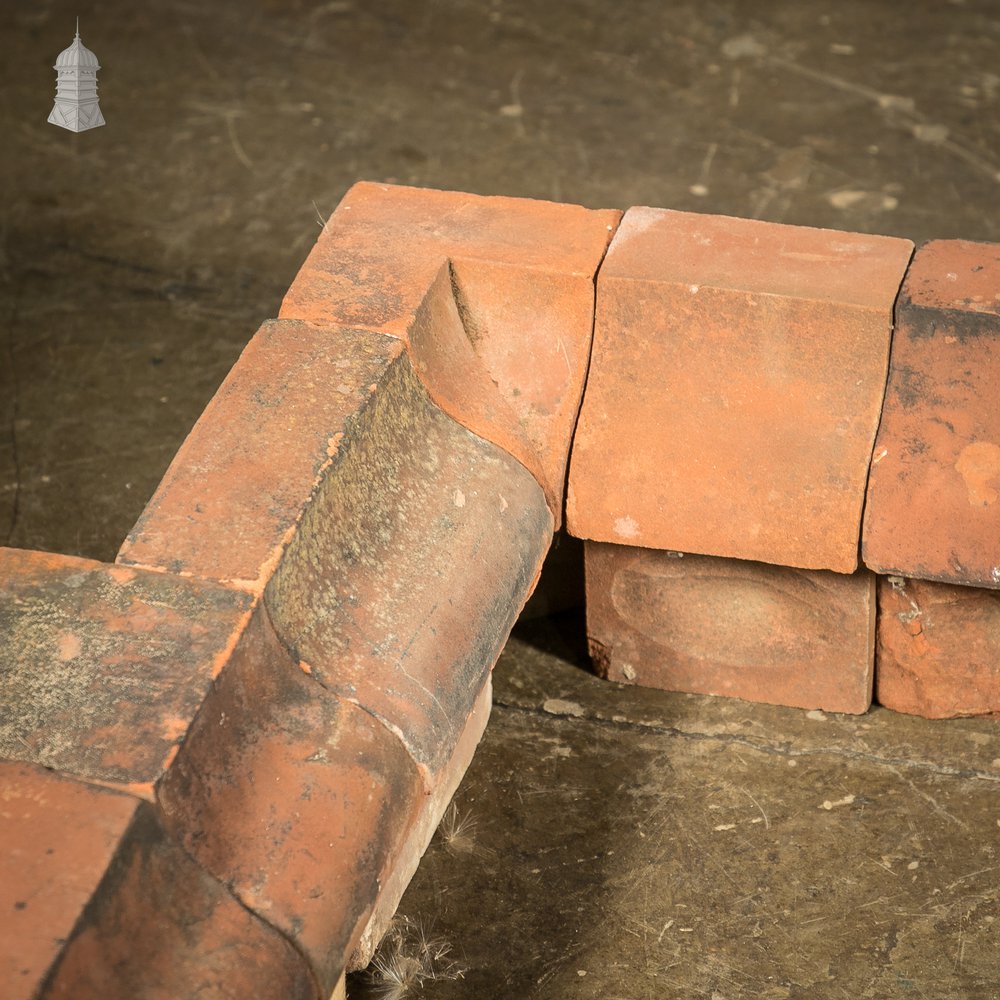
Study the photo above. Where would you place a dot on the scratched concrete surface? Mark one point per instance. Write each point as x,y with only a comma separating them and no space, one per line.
621,844
137,259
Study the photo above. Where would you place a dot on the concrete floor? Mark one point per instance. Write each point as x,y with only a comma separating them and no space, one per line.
609,843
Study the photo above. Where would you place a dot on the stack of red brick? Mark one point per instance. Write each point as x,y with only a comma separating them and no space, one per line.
222,756
739,452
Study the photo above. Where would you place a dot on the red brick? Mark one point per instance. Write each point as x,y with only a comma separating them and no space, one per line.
296,800
378,505
938,649
104,667
97,903
735,388
705,625
419,834
238,485
522,276
933,507
409,568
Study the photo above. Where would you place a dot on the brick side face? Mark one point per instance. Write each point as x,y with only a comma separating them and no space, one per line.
98,903
933,508
735,387
938,649
706,625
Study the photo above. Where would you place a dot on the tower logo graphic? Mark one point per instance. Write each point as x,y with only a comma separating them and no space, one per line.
76,106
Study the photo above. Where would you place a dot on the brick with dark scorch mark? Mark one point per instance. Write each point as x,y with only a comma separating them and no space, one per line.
933,509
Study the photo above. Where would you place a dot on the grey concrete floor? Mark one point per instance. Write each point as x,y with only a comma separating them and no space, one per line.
609,843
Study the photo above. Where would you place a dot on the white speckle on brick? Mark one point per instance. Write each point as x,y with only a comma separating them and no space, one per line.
626,527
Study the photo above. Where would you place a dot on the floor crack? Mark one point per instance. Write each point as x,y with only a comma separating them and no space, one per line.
751,744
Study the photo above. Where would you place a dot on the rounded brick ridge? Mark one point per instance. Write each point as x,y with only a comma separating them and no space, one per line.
933,507
410,566
105,905
523,277
296,800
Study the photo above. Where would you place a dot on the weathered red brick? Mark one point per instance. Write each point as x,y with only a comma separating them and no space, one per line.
705,625
938,649
296,800
933,507
521,275
104,667
737,376
419,834
234,492
97,903
363,547
408,569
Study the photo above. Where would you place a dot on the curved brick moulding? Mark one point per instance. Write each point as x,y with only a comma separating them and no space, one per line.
517,331
265,706
222,757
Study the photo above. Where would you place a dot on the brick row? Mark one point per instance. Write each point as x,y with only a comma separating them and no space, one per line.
738,412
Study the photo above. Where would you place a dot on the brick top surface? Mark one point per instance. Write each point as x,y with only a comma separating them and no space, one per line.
240,481
955,274
103,667
763,257
382,247
545,235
